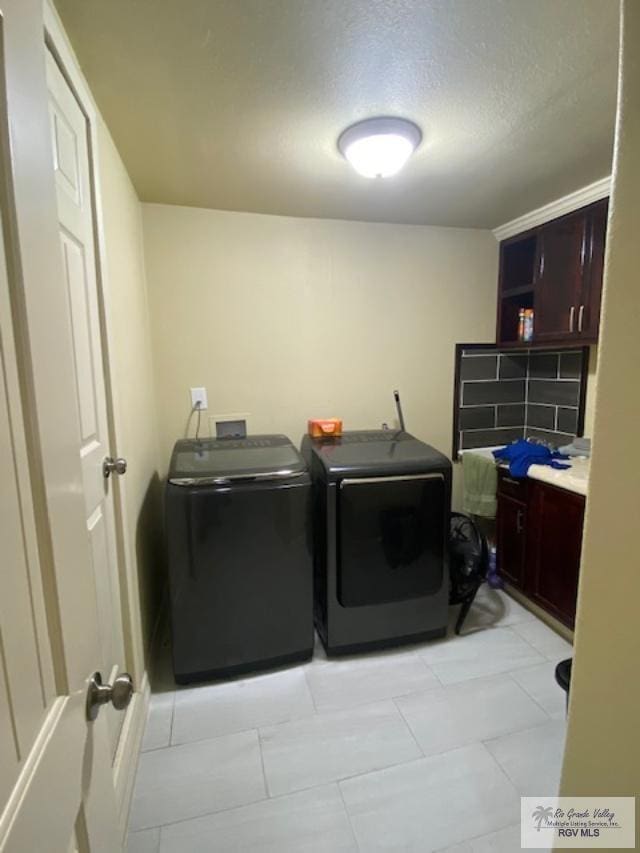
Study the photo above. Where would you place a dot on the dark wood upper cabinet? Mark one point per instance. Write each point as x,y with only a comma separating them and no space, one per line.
562,248
556,269
589,321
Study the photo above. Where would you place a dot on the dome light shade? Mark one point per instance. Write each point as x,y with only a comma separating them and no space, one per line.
379,147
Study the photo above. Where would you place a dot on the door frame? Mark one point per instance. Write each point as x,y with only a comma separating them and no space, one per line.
126,757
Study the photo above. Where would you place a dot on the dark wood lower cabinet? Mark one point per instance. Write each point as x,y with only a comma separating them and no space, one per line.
539,543
511,529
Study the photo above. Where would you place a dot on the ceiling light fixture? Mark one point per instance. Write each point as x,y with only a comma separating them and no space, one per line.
379,147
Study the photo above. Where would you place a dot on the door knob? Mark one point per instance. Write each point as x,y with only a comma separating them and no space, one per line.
118,465
119,693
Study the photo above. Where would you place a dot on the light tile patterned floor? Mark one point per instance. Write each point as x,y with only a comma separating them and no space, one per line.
426,748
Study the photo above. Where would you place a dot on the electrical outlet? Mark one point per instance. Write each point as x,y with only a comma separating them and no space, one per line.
199,395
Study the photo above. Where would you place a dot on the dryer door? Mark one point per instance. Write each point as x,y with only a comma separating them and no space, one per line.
391,536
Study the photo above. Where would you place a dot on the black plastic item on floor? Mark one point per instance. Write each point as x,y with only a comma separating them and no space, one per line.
468,563
563,675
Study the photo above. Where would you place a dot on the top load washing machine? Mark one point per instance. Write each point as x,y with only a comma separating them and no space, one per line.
381,517
240,564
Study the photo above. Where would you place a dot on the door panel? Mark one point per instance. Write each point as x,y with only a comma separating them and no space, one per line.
511,525
73,190
22,699
74,267
55,765
557,518
563,246
26,673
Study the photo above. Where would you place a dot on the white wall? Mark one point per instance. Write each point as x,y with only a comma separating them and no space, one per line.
288,318
602,754
133,392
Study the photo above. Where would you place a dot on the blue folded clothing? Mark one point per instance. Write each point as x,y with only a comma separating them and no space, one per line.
521,454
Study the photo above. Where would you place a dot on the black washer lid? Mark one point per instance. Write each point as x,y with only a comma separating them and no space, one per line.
218,460
371,453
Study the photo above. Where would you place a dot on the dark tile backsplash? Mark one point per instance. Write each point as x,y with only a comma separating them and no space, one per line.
489,437
510,415
479,367
561,392
503,396
543,365
567,420
503,391
556,439
478,417
543,417
571,365
513,366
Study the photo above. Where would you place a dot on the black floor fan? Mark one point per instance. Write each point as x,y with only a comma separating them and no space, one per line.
468,563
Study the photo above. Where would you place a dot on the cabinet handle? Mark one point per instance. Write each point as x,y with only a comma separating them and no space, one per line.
519,521
572,317
541,267
583,246
580,317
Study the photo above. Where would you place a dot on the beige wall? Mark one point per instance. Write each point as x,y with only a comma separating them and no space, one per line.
133,391
603,744
286,318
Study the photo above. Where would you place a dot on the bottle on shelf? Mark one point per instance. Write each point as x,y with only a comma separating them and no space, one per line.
528,324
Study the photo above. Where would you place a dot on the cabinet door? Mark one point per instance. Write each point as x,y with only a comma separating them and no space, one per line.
558,288
589,308
556,519
511,526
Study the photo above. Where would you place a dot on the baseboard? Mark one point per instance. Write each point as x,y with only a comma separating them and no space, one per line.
554,624
128,752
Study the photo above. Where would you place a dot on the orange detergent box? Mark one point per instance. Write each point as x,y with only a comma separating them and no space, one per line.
323,427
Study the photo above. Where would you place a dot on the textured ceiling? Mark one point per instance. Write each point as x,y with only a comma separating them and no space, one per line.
237,104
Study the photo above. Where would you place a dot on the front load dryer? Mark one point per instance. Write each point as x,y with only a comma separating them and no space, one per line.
240,564
381,516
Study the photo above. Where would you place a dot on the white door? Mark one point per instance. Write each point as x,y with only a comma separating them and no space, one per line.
69,144
56,784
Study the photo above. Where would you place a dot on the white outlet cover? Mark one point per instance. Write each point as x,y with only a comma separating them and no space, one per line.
199,395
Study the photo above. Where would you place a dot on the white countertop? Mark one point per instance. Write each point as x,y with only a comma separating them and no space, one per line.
574,479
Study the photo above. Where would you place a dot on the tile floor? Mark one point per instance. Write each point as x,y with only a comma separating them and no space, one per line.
426,748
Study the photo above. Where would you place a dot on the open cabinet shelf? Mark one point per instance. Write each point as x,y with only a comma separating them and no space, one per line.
555,269
509,313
